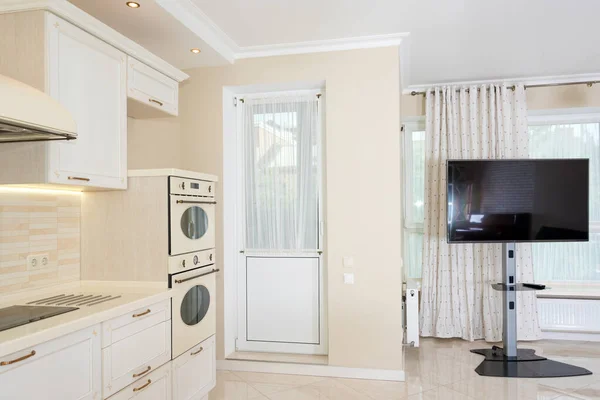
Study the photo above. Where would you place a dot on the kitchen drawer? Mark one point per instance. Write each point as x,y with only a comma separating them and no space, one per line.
152,90
193,187
185,262
129,324
135,356
154,386
194,372
66,368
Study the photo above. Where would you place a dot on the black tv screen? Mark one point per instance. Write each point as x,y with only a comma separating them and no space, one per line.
518,200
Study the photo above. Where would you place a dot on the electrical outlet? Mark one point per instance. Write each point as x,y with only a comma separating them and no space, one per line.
35,261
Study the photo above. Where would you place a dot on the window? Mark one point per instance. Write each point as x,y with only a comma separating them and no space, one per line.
569,136
552,135
414,196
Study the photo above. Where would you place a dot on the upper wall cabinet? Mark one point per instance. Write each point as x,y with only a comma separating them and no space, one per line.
151,94
89,78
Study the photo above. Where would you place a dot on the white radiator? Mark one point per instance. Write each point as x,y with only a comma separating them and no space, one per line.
569,315
412,315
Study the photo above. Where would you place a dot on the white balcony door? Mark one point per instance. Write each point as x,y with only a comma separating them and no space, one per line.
279,267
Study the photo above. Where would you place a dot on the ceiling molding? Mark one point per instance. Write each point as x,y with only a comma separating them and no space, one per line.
76,16
192,17
538,80
320,46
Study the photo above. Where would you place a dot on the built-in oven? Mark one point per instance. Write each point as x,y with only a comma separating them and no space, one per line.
193,314
191,215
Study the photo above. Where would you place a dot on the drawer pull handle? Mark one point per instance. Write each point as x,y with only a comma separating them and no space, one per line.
156,102
143,372
16,360
78,178
196,352
142,313
144,386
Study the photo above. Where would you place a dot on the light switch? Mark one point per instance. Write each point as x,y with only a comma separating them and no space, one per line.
348,261
349,278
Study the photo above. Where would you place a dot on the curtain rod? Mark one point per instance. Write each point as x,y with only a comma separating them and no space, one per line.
589,84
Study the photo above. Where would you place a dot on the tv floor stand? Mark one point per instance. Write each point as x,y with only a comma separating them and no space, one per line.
509,361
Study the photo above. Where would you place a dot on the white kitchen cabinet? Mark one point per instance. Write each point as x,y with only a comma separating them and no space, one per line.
67,368
151,93
194,372
154,386
135,345
87,76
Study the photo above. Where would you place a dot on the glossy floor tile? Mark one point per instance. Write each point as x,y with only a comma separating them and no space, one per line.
437,370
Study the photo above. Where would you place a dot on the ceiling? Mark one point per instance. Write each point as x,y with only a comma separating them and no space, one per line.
155,29
450,41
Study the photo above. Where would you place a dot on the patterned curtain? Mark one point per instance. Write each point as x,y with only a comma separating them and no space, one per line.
481,122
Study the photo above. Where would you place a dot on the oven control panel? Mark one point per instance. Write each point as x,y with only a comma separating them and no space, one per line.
186,262
191,187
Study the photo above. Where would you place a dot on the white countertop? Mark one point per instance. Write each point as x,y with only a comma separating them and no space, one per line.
172,172
134,295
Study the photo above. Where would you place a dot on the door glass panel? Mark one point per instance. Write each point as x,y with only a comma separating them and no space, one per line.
194,222
195,305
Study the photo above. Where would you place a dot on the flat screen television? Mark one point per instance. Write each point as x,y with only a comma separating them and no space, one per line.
534,200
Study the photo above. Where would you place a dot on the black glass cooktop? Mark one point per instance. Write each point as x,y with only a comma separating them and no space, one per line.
11,317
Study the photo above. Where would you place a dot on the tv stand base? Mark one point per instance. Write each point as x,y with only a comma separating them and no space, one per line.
526,364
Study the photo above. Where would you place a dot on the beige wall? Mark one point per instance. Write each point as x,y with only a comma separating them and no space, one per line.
38,223
153,143
362,185
568,96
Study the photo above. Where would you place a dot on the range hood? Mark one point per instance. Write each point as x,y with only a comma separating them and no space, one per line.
28,115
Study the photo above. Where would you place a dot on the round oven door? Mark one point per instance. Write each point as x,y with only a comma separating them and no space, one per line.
194,222
195,305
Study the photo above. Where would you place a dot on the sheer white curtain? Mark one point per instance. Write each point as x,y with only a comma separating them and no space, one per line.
483,122
281,166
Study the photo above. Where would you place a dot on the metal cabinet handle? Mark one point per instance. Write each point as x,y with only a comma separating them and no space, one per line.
209,189
196,352
78,178
144,386
143,372
210,257
156,102
16,360
143,313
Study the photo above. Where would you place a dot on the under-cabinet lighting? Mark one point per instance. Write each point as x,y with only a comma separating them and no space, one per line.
4,189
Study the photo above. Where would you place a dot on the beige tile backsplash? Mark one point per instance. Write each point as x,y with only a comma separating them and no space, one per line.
34,222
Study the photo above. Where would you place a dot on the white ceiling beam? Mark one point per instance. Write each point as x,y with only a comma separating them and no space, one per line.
193,18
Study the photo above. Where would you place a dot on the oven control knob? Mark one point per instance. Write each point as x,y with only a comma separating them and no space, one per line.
183,264
195,260
182,185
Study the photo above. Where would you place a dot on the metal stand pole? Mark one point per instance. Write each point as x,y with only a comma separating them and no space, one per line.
509,299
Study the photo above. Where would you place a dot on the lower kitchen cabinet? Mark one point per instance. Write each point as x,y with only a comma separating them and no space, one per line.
154,386
194,372
67,368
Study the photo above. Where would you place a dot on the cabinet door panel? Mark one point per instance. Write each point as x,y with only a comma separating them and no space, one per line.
194,372
88,77
154,386
67,368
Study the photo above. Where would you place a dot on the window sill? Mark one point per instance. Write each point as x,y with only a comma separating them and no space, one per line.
576,290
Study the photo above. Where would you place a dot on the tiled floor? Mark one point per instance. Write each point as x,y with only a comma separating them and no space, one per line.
438,370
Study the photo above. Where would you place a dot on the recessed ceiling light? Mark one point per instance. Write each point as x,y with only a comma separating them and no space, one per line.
195,50
133,4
